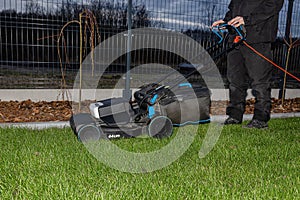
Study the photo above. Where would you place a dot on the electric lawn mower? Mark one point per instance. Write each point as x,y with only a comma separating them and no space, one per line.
154,108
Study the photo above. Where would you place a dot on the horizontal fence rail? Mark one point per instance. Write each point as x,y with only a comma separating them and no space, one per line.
35,55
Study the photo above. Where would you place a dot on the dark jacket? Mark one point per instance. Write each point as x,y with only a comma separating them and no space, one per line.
260,16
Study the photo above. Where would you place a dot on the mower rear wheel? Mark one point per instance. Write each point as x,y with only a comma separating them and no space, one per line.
160,127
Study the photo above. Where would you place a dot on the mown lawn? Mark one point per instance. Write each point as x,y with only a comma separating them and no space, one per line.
244,164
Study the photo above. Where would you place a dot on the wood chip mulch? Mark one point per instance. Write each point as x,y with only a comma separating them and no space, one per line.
288,106
42,111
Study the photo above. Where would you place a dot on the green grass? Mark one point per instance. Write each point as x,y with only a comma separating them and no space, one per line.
244,164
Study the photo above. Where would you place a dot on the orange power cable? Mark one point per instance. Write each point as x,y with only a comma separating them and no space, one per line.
270,61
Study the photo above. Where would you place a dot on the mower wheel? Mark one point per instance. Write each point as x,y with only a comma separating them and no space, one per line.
89,133
160,127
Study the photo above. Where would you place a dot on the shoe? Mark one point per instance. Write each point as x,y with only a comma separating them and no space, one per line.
231,120
257,124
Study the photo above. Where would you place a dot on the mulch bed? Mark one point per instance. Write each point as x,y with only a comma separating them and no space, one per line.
288,106
42,111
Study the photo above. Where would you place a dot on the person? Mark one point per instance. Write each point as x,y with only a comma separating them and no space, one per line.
260,19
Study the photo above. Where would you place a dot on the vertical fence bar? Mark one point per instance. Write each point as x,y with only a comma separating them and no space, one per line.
127,91
80,61
282,82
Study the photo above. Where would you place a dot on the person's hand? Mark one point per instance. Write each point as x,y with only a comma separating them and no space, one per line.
237,21
217,23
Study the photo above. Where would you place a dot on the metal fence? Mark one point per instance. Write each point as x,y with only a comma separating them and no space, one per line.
32,45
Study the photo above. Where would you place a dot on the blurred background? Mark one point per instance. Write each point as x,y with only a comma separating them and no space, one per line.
40,39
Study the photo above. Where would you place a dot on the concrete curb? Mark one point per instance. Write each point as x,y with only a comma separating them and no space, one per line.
64,124
99,94
221,118
36,125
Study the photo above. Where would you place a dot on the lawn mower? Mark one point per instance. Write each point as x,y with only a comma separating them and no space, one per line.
155,108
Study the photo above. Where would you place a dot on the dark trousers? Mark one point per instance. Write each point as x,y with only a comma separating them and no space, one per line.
244,67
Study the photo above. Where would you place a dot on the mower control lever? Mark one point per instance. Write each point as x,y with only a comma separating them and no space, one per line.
223,29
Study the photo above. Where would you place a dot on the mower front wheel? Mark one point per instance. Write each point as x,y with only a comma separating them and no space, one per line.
89,133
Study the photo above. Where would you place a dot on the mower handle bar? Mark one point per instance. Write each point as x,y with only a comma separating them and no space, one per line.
223,29
221,32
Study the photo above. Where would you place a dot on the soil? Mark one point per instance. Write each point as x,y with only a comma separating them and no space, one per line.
42,111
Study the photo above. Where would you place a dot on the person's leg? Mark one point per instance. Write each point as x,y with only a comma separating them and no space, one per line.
260,71
238,85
